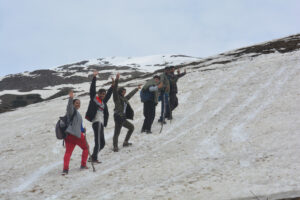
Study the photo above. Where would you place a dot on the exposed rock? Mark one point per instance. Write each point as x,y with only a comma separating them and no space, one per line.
69,65
63,91
284,45
11,101
39,80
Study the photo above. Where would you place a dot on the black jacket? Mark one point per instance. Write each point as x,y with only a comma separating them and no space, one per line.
119,101
92,108
173,78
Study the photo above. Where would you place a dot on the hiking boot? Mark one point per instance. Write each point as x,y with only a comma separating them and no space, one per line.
94,161
148,131
160,121
83,167
116,149
143,130
127,144
65,172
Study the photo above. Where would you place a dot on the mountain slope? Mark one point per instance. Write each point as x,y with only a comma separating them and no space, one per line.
22,89
234,134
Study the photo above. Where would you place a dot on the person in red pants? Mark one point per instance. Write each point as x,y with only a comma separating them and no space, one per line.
75,134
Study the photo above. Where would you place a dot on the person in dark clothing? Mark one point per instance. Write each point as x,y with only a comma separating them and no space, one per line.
164,96
150,93
173,88
97,113
122,112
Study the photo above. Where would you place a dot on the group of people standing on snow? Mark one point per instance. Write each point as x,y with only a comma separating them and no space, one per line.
160,88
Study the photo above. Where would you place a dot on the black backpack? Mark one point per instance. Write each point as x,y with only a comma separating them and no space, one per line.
62,125
146,96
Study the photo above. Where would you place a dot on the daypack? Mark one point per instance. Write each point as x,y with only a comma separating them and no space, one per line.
146,96
62,125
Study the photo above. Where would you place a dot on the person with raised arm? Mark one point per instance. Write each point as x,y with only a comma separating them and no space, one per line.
75,134
173,78
98,114
122,113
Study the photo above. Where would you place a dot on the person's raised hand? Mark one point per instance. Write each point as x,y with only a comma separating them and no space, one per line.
95,73
112,82
71,94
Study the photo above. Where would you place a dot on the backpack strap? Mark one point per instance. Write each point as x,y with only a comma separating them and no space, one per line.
71,120
72,117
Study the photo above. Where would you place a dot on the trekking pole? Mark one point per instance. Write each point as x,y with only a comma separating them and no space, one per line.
170,111
162,124
88,146
164,111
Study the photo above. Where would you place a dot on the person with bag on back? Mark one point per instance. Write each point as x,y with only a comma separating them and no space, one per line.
149,97
97,113
75,134
122,112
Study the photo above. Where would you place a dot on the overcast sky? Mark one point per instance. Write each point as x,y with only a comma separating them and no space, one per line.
36,34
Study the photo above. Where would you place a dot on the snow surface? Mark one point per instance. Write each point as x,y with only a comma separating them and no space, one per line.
235,135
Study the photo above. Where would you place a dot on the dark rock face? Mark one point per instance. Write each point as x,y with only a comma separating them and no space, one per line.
11,101
63,91
39,80
69,65
284,45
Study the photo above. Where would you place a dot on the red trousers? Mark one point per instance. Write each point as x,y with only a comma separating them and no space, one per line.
71,141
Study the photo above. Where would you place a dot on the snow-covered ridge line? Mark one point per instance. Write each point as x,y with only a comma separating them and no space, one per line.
282,45
50,82
146,63
54,82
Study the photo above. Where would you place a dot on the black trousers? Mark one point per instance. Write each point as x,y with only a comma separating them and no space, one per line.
119,123
173,101
149,114
99,139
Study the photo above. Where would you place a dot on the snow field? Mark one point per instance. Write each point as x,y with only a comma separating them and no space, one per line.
236,130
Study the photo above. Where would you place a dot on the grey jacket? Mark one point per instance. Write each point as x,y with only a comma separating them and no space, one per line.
74,127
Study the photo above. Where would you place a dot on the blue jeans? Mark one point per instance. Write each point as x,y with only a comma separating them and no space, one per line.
165,106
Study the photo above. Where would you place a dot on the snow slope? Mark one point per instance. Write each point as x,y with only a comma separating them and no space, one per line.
235,134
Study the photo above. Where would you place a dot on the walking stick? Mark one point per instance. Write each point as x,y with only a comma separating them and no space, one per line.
88,146
170,110
164,111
